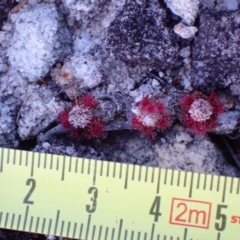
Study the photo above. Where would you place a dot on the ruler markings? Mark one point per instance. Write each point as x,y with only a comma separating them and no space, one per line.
101,170
43,225
89,166
158,181
37,223
76,165
25,218
125,234
14,156
178,180
95,172
165,177
1,217
49,226
139,236
45,160
185,234
224,189
185,179
218,184
205,181
12,222
68,228
132,235
178,238
63,168
113,231
88,226
238,186
70,165
152,232
133,172
32,164
146,174
2,159
191,185
56,222
126,177
140,173
198,181
158,237
20,158
51,162
172,177
19,221
26,161
39,159
31,223
93,231
171,238
145,236
231,186
57,165
106,233
153,171
108,167
120,229
114,169
100,233
6,220
74,230
62,228
82,167
164,237
81,231
8,157
211,185
219,236
120,173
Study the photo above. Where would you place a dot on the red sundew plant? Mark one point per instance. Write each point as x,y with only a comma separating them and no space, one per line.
199,112
80,119
150,115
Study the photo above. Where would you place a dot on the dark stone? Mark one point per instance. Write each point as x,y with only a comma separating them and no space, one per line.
216,51
139,36
5,7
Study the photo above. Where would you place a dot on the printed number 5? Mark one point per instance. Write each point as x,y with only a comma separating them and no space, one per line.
222,217
32,182
92,208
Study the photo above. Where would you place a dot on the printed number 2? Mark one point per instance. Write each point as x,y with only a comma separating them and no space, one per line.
155,208
222,217
92,208
31,182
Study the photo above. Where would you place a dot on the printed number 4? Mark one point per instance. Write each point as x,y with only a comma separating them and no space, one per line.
155,208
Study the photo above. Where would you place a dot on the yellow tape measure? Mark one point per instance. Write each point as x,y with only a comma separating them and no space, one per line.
99,200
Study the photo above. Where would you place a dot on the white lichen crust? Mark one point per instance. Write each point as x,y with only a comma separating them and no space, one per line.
200,110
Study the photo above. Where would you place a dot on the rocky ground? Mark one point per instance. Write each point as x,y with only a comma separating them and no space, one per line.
145,82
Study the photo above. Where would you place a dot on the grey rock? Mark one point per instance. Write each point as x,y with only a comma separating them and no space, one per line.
40,108
9,107
216,51
139,36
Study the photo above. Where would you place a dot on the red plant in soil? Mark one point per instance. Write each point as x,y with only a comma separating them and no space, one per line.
150,115
79,119
199,112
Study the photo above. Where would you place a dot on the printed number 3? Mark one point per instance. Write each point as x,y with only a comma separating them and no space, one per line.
92,208
31,182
